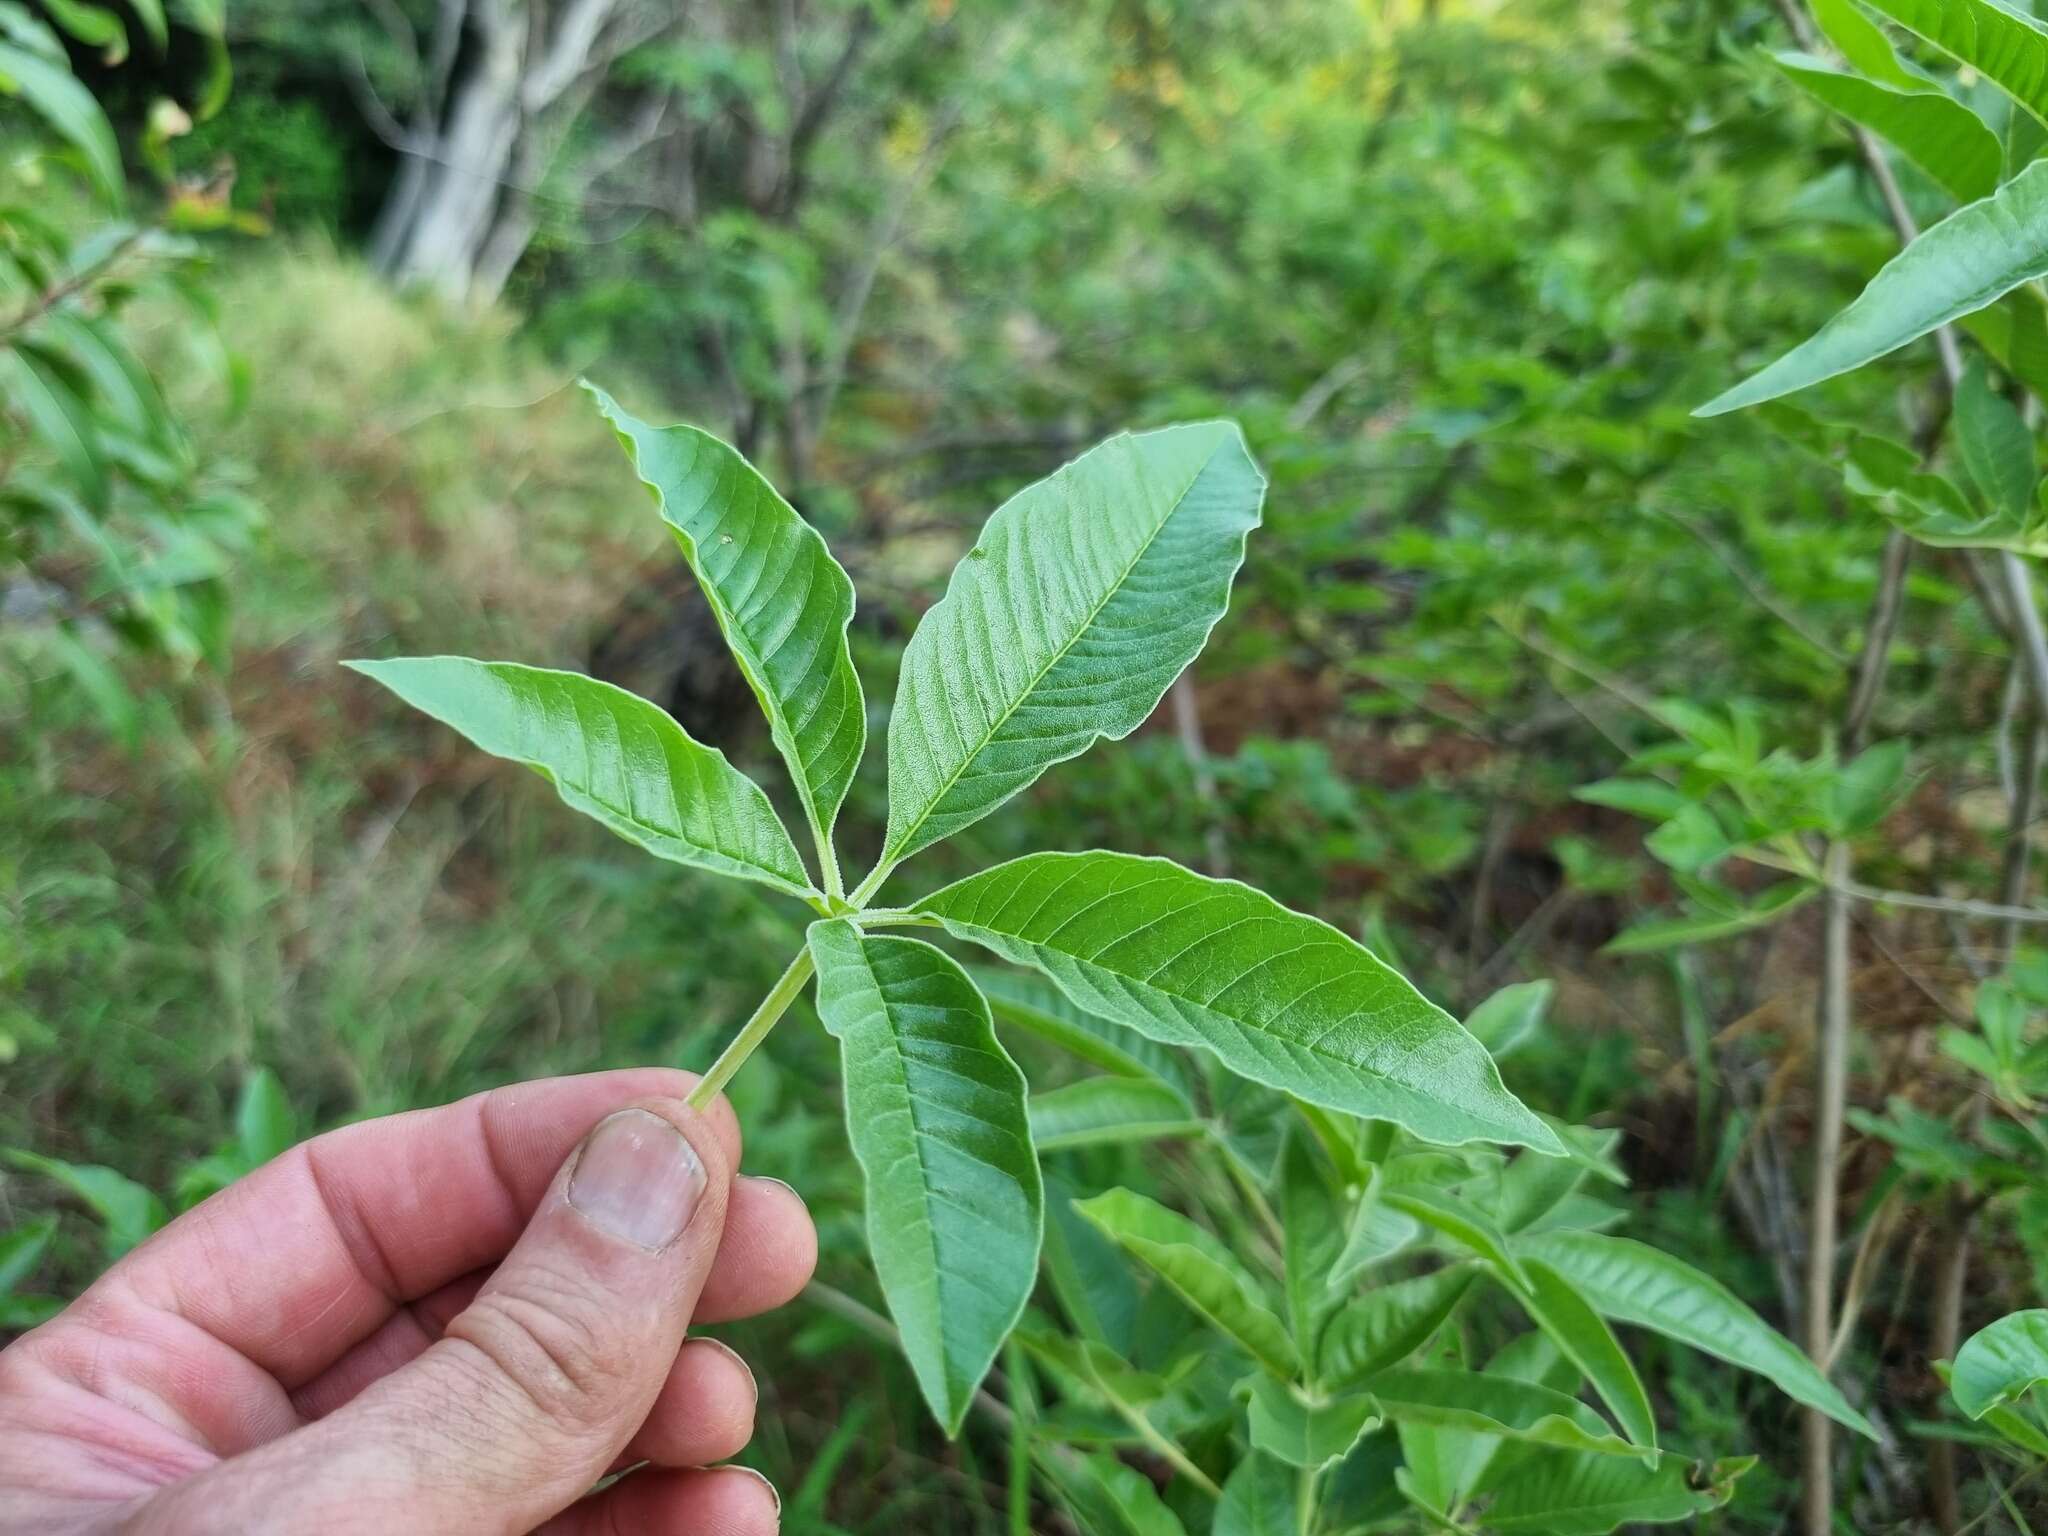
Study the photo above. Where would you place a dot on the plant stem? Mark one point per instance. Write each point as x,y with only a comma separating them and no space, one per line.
754,1031
873,883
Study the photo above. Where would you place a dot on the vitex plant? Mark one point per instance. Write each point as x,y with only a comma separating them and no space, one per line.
1084,597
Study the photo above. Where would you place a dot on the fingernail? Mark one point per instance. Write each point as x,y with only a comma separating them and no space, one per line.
769,1178
763,1481
637,1178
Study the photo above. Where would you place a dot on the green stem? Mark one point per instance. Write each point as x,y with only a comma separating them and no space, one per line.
828,864
754,1031
873,883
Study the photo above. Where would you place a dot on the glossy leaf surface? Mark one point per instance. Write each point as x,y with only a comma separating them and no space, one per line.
781,600
1970,259
1204,1273
1279,998
1634,1283
611,755
935,1111
1083,599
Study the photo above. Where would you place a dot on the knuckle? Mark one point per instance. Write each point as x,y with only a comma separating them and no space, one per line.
556,1347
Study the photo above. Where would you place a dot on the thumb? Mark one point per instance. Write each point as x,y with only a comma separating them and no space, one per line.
534,1390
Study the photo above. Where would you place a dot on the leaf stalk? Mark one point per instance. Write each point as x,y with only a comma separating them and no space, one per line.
754,1031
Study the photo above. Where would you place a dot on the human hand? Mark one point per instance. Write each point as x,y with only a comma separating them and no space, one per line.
451,1321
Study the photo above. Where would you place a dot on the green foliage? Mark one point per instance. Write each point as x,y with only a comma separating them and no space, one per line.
115,527
1048,625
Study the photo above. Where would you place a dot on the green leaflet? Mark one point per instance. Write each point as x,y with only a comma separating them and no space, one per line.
1099,1110
1930,127
1888,476
1562,1493
935,1111
1508,1017
1445,1213
1028,1001
1863,43
1390,1323
21,1249
1495,1405
1634,1283
1261,1498
1993,38
1307,1435
1312,1225
1083,599
1111,1499
127,1211
2001,1363
1586,1340
1998,450
55,94
1971,258
782,602
611,755
1201,1271
57,416
1279,998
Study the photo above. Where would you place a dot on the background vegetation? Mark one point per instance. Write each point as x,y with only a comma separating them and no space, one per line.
1461,270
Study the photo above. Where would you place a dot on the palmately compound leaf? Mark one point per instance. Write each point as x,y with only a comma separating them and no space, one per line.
1574,1493
1277,997
1204,1273
781,600
1970,259
1930,127
2001,1363
1082,601
935,1111
1990,36
1634,1283
611,755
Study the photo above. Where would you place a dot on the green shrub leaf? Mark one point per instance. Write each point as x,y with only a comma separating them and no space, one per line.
127,1211
781,600
1998,450
1111,1499
2001,1363
1390,1323
1995,39
1302,1434
1445,1213
1930,127
1971,258
21,1249
1027,1001
1262,1497
1101,1110
935,1111
1279,998
1634,1283
611,755
53,92
1201,1271
1085,596
1495,1405
1562,1493
1586,1340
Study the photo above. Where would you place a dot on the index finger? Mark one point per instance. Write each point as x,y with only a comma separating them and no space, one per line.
312,1252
